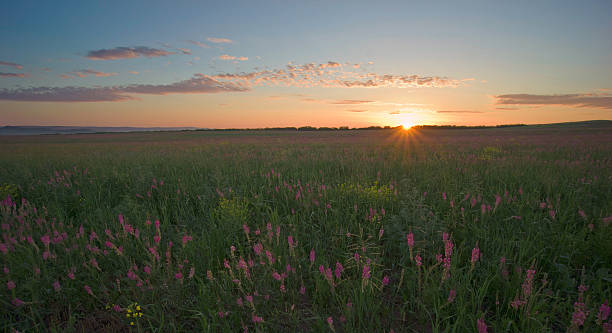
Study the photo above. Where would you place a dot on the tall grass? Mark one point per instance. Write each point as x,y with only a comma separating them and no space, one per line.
498,230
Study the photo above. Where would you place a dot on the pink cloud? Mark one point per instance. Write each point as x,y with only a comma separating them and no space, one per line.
332,75
126,53
198,84
200,44
219,40
86,73
20,75
229,57
11,64
329,75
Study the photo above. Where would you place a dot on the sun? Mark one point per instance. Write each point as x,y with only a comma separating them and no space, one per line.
407,125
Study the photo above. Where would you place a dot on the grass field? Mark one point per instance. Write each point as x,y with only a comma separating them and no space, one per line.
350,231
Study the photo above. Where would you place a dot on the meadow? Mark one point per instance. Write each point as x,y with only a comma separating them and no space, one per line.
472,230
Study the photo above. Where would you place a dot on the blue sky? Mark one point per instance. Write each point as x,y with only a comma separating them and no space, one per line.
540,50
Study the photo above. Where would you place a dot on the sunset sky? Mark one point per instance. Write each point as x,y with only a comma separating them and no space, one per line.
310,63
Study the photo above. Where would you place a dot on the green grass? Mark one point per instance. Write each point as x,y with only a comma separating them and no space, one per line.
541,199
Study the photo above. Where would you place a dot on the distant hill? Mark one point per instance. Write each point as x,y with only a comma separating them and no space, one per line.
587,123
38,130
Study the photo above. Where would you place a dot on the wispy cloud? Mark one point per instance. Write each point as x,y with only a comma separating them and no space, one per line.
351,101
458,111
335,75
229,57
330,75
85,73
11,64
356,110
184,50
88,72
506,108
219,40
200,44
198,84
21,75
581,100
126,53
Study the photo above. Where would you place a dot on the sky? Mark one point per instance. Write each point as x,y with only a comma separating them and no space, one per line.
250,64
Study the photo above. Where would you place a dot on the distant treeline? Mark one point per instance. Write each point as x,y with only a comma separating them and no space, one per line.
346,128
463,127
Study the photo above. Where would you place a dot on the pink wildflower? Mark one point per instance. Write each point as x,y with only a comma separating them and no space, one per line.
517,303
17,302
302,290
338,271
312,256
365,273
452,294
46,239
258,248
270,257
290,241
604,311
418,260
580,314
410,239
475,254
328,273
385,281
257,319
56,286
482,326
528,283
88,290
10,285
186,238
